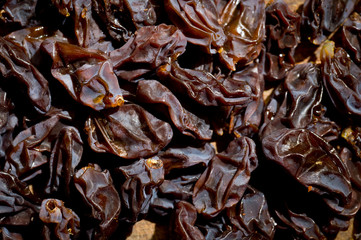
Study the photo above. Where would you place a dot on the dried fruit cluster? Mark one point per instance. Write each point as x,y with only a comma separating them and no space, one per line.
117,111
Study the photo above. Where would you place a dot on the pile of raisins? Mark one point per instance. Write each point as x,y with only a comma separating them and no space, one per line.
224,119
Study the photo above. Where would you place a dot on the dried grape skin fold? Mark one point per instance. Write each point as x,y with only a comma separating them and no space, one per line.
224,181
128,132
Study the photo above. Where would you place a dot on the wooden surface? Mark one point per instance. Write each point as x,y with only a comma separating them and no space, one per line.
145,230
